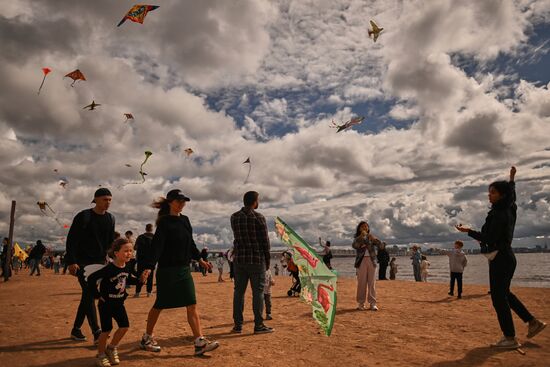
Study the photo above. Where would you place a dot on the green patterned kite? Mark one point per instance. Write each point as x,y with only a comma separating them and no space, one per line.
317,280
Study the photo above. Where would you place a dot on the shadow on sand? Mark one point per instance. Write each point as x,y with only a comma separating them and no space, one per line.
450,299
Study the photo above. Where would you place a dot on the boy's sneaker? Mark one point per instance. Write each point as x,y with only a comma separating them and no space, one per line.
535,327
102,361
77,335
97,333
237,329
204,345
262,329
112,354
149,344
507,343
268,317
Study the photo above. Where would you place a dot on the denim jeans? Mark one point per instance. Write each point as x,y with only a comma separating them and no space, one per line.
416,271
35,266
256,274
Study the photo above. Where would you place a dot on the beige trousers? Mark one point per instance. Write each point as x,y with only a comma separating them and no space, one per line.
366,279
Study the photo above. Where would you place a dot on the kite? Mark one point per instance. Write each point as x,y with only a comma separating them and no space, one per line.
138,13
375,31
249,168
63,182
46,71
128,165
75,75
348,124
317,280
18,252
91,106
188,151
56,170
43,205
128,116
141,173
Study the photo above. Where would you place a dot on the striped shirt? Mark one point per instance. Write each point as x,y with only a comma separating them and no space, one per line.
251,241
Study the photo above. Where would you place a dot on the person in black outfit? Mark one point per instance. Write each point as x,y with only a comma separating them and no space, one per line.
496,239
383,260
204,257
35,256
144,250
6,260
90,236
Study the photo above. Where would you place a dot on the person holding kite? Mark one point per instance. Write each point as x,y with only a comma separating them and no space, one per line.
365,245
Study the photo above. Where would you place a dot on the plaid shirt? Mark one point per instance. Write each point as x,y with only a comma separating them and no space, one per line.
251,243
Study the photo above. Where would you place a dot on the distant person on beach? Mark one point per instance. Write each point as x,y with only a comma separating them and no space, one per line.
229,256
276,269
424,266
365,245
267,294
496,239
112,279
416,260
457,263
220,261
393,268
90,236
173,249
56,263
326,253
383,258
5,262
204,257
252,259
144,251
35,257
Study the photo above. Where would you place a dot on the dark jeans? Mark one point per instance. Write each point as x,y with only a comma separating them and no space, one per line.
416,270
149,280
458,278
501,272
267,301
86,308
231,270
35,266
256,274
382,271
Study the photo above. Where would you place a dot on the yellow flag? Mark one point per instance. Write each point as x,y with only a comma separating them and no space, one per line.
22,255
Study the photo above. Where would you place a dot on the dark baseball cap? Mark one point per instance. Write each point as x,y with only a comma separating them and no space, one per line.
176,195
101,192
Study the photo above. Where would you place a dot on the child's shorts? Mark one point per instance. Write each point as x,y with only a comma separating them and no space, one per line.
112,310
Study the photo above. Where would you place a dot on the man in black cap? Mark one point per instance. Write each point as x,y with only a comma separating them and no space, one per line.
90,236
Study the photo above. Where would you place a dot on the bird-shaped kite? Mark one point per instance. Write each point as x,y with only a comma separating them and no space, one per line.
137,13
46,71
75,75
188,152
91,106
249,168
348,124
141,172
128,116
375,31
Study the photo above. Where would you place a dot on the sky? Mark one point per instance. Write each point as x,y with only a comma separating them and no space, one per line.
453,94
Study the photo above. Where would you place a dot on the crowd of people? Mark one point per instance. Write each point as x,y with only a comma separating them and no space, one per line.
95,252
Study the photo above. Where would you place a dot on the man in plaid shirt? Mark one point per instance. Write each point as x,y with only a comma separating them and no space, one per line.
251,259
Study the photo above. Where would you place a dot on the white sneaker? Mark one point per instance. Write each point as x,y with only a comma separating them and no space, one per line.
373,308
507,343
204,345
361,307
149,344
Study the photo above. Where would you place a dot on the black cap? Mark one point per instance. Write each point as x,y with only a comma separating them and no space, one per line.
101,192
176,195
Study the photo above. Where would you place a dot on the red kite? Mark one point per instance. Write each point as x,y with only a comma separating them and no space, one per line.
46,71
137,13
75,75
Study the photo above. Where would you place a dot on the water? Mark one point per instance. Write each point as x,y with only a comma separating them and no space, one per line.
533,270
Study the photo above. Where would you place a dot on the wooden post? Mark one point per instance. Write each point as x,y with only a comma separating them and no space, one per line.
8,257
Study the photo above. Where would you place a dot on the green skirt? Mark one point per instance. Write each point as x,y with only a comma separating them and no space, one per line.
175,288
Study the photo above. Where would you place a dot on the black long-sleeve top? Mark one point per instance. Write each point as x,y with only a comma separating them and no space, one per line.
89,238
498,231
144,248
173,243
112,287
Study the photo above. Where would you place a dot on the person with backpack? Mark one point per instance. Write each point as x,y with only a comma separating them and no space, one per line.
91,234
144,250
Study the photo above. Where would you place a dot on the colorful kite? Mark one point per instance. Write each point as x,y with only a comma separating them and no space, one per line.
43,205
128,116
318,282
249,168
91,106
46,71
75,75
137,13
348,124
141,173
188,152
18,252
375,31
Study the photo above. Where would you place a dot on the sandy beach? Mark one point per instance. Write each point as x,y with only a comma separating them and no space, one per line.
417,325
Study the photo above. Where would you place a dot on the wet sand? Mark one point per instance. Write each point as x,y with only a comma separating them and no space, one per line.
417,325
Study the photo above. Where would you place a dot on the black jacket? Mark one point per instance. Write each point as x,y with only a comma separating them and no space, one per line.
144,248
87,242
37,252
173,243
498,231
383,257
